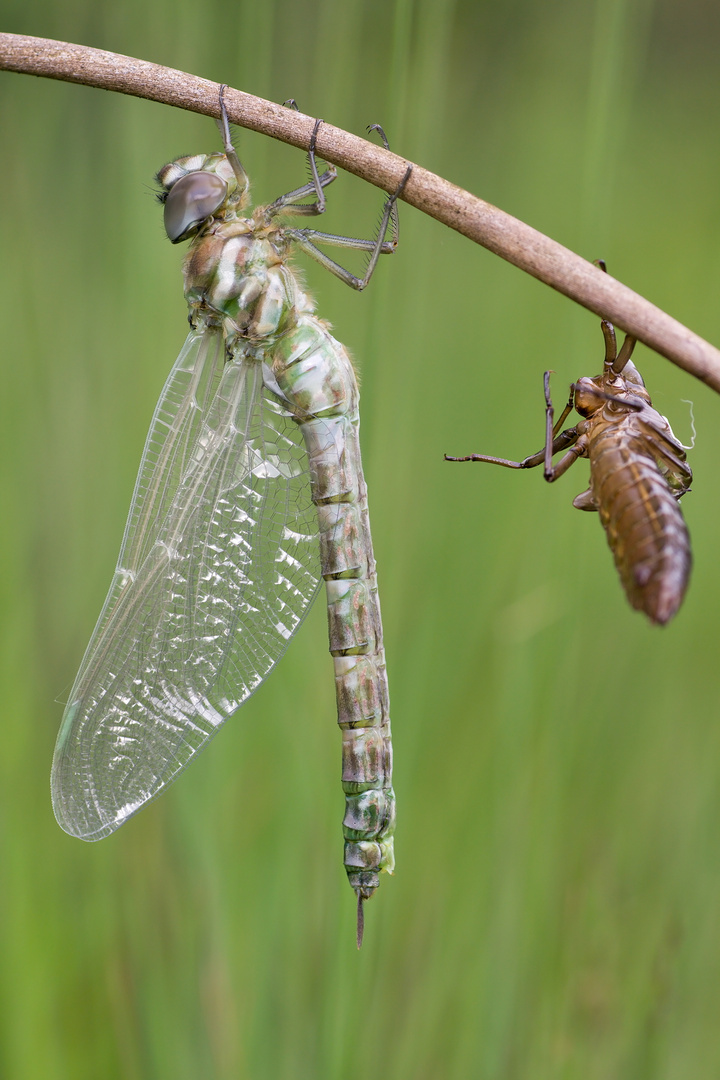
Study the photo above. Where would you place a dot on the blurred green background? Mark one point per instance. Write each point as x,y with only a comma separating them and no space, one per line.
554,911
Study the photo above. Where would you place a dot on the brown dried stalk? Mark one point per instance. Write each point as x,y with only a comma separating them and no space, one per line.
497,231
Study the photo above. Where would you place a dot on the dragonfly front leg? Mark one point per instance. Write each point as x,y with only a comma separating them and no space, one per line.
555,441
565,439
230,151
552,429
551,434
288,204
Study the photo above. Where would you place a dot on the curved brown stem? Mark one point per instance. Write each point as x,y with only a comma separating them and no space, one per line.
495,230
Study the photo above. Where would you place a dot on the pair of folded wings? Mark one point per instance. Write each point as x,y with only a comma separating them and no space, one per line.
218,566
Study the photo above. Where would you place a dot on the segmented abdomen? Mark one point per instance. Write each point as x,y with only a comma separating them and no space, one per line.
645,527
314,371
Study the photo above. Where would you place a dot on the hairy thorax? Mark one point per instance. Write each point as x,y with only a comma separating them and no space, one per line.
235,274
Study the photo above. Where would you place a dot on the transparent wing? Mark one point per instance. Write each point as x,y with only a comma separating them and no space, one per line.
218,566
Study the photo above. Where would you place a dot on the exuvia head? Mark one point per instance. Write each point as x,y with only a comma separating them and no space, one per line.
588,395
630,374
198,188
615,395
612,391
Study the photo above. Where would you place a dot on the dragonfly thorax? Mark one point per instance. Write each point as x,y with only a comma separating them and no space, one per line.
236,273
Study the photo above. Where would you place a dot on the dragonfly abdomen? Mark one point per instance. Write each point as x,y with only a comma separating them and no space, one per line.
315,373
645,528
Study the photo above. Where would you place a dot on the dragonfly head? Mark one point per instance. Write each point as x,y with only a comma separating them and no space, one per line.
612,392
620,381
627,386
630,374
588,397
195,189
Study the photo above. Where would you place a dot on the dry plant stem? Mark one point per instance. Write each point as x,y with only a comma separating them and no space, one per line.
497,231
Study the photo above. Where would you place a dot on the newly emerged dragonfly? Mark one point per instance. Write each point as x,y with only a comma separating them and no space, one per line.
250,492
638,471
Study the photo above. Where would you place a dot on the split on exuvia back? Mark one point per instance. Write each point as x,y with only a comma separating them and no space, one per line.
638,471
250,493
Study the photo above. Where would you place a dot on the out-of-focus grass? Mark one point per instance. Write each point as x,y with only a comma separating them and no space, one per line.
553,912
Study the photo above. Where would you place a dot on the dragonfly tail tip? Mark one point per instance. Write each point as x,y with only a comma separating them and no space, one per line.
360,920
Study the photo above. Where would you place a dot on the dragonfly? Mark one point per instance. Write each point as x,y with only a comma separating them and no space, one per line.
638,471
250,493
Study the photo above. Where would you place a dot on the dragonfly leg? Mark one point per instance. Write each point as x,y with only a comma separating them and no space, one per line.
394,220
577,451
613,359
625,353
320,204
526,463
290,203
566,411
230,151
307,240
555,440
610,342
560,442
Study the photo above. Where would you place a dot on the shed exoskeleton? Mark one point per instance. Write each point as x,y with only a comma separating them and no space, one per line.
638,471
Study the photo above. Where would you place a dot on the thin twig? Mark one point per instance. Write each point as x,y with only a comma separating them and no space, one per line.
497,231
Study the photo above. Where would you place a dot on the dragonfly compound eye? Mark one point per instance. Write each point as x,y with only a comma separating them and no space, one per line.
191,200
